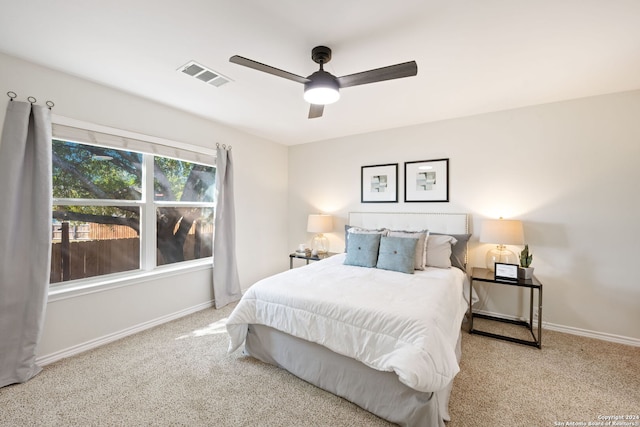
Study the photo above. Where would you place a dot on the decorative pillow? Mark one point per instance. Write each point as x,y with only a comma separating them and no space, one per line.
362,250
421,246
439,250
349,229
458,250
397,254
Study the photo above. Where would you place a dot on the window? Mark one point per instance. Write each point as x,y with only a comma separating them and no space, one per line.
117,210
184,231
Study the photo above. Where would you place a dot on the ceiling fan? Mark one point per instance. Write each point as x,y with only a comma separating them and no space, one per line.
322,87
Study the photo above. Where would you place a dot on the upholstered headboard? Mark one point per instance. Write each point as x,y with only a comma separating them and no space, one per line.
447,223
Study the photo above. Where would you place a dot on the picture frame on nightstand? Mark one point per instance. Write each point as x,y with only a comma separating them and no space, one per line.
504,271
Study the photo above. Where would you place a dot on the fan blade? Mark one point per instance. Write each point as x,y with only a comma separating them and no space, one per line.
315,111
267,69
398,71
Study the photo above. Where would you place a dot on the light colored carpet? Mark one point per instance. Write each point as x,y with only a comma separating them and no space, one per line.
571,379
179,374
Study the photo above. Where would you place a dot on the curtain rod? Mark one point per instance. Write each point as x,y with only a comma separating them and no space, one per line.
12,95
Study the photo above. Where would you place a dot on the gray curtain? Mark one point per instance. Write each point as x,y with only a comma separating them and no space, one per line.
226,284
25,237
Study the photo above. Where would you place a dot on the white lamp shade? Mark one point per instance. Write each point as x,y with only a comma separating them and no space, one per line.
502,232
319,223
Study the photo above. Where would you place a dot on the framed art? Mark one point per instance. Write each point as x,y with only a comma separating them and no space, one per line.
379,184
506,271
426,181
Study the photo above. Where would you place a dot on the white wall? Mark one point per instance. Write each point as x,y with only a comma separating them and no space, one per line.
261,239
569,170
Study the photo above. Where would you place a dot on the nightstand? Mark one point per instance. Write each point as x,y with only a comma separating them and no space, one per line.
308,258
487,276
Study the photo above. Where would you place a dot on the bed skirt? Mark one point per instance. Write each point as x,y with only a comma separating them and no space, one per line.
380,393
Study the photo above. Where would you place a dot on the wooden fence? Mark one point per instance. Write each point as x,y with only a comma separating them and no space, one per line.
94,258
94,231
81,258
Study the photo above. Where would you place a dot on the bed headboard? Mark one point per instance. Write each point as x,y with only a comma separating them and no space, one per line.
449,223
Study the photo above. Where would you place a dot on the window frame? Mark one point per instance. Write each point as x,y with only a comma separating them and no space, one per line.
148,270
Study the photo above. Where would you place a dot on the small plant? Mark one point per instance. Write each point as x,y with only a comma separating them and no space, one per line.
525,257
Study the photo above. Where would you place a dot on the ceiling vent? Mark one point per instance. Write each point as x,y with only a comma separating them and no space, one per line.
202,73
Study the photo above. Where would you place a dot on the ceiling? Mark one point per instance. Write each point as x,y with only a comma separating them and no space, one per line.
473,56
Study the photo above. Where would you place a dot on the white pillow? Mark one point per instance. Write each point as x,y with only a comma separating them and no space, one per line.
439,250
421,246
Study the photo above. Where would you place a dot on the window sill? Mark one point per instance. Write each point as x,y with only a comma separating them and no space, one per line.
89,286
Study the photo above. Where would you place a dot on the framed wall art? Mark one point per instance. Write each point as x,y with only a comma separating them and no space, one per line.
426,181
379,184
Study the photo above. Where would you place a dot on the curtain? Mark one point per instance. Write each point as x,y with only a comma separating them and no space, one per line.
226,283
25,237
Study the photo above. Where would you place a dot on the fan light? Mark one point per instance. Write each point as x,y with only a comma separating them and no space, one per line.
322,89
321,95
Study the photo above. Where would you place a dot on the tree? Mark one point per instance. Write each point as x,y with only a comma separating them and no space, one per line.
91,172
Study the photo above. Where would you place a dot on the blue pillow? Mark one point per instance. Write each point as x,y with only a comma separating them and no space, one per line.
362,250
397,254
359,230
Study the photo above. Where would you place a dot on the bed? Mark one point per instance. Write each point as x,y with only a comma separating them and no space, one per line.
380,336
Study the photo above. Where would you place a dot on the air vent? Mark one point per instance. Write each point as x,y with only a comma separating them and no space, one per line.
203,73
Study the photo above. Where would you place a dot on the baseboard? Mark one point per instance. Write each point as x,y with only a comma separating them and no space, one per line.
94,343
634,342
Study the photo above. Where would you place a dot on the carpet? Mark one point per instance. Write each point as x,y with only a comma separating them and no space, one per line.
180,374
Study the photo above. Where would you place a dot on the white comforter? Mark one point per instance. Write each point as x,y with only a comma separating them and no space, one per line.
405,323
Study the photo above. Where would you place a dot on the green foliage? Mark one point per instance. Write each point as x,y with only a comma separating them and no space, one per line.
525,257
88,172
178,180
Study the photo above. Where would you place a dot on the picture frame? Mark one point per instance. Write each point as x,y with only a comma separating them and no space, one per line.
508,272
379,183
426,181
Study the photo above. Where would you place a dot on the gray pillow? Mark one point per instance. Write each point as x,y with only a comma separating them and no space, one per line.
458,250
362,250
397,254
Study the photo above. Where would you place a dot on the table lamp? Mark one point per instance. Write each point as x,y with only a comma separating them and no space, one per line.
501,232
320,223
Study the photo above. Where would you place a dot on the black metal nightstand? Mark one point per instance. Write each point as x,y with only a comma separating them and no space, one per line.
487,276
309,258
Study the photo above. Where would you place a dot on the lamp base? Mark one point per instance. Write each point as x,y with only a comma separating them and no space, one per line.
320,244
500,254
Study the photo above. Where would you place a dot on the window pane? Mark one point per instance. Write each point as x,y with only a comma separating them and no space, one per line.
184,234
89,172
177,180
91,241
